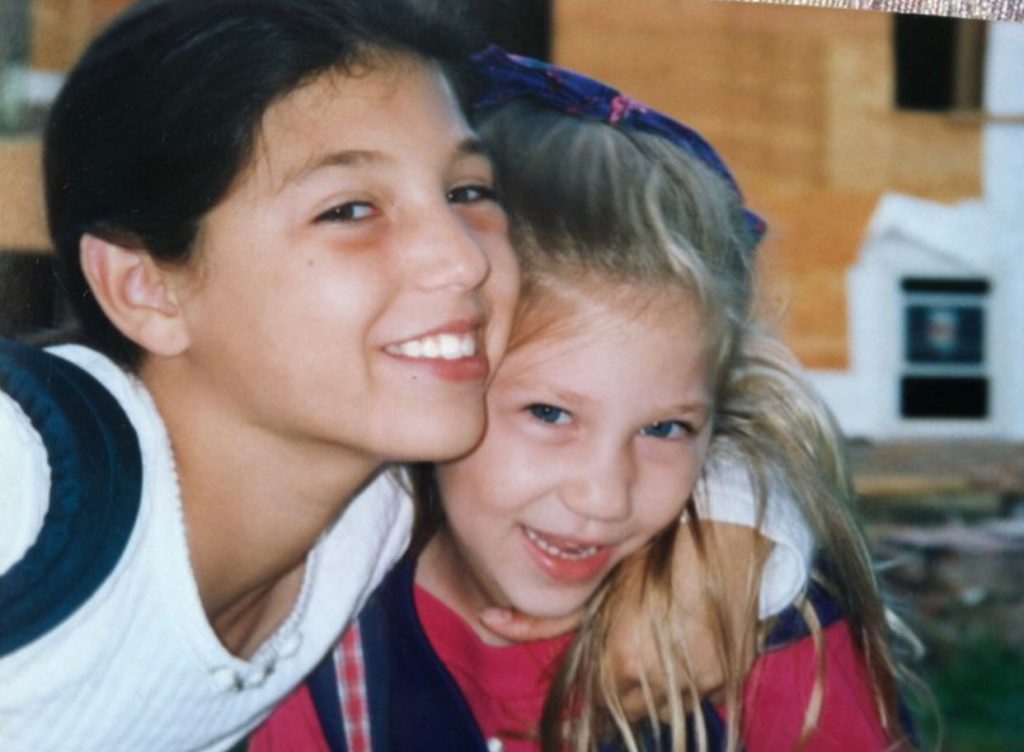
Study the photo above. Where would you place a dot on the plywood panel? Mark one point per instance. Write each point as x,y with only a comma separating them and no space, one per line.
63,28
22,218
812,242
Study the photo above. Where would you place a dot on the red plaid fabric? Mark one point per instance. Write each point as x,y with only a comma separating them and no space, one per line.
351,673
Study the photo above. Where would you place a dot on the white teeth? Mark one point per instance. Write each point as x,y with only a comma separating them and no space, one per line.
550,548
443,346
451,348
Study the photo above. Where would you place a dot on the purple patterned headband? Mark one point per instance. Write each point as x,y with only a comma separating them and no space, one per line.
505,77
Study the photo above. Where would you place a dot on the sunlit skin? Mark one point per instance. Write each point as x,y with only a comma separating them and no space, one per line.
366,221
596,435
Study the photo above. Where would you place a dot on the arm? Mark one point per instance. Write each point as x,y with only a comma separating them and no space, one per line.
701,629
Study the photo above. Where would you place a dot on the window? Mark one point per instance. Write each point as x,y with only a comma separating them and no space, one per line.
939,62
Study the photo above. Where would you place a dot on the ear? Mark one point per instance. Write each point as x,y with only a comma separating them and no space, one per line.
135,294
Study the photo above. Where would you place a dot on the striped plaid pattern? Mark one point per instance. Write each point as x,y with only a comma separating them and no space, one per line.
350,670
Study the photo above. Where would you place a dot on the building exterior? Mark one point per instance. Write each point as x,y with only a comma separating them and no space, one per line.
937,324
862,195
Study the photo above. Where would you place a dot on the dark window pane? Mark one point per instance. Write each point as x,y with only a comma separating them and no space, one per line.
931,397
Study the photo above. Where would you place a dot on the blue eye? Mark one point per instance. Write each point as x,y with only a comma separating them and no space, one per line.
470,194
666,429
549,414
353,211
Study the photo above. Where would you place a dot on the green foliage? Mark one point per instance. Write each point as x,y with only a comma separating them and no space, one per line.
979,688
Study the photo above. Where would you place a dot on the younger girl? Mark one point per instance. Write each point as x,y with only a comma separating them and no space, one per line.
632,356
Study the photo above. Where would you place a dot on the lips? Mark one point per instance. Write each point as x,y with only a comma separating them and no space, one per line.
453,352
446,346
566,559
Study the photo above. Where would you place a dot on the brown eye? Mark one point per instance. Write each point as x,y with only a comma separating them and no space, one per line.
353,211
469,194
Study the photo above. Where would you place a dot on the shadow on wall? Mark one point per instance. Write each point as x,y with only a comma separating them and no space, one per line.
29,301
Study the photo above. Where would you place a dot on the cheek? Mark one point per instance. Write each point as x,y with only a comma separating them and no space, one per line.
486,493
470,490
504,279
665,493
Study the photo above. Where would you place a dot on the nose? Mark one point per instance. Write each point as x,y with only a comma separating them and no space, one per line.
598,486
447,252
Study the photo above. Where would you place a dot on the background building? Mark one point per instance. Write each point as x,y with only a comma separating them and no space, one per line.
822,113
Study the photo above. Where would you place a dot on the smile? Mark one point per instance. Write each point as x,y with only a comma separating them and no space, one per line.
437,346
562,549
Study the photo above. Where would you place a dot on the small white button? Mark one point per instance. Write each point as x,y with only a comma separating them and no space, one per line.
494,744
289,645
226,680
255,676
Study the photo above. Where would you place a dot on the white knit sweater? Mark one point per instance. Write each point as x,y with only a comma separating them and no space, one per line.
138,667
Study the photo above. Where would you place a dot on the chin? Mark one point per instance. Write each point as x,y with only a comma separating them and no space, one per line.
547,608
433,445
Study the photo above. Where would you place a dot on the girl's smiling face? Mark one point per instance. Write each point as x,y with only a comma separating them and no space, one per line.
356,286
596,434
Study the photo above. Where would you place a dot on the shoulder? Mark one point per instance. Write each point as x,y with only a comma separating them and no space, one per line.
73,460
782,685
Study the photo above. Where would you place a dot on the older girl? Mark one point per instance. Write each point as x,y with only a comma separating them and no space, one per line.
279,236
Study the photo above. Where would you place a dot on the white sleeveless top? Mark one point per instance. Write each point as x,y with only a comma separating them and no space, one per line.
138,666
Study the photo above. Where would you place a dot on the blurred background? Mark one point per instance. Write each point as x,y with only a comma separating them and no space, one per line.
887,153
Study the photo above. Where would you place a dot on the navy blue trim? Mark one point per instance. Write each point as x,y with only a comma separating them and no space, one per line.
95,490
427,710
323,689
415,704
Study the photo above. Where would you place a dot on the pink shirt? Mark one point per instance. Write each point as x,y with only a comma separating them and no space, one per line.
779,688
505,688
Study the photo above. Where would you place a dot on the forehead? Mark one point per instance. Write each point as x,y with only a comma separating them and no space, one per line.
383,110
601,327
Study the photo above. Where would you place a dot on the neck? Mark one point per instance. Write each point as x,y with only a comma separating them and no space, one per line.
255,503
444,573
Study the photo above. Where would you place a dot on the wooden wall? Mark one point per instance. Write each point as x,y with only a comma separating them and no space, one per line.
60,31
22,221
799,101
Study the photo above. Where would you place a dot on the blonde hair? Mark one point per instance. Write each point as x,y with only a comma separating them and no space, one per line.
593,202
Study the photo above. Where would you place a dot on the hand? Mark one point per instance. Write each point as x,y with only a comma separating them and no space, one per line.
733,556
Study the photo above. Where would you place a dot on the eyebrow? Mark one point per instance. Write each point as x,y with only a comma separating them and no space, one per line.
467,147
569,396
697,406
471,146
